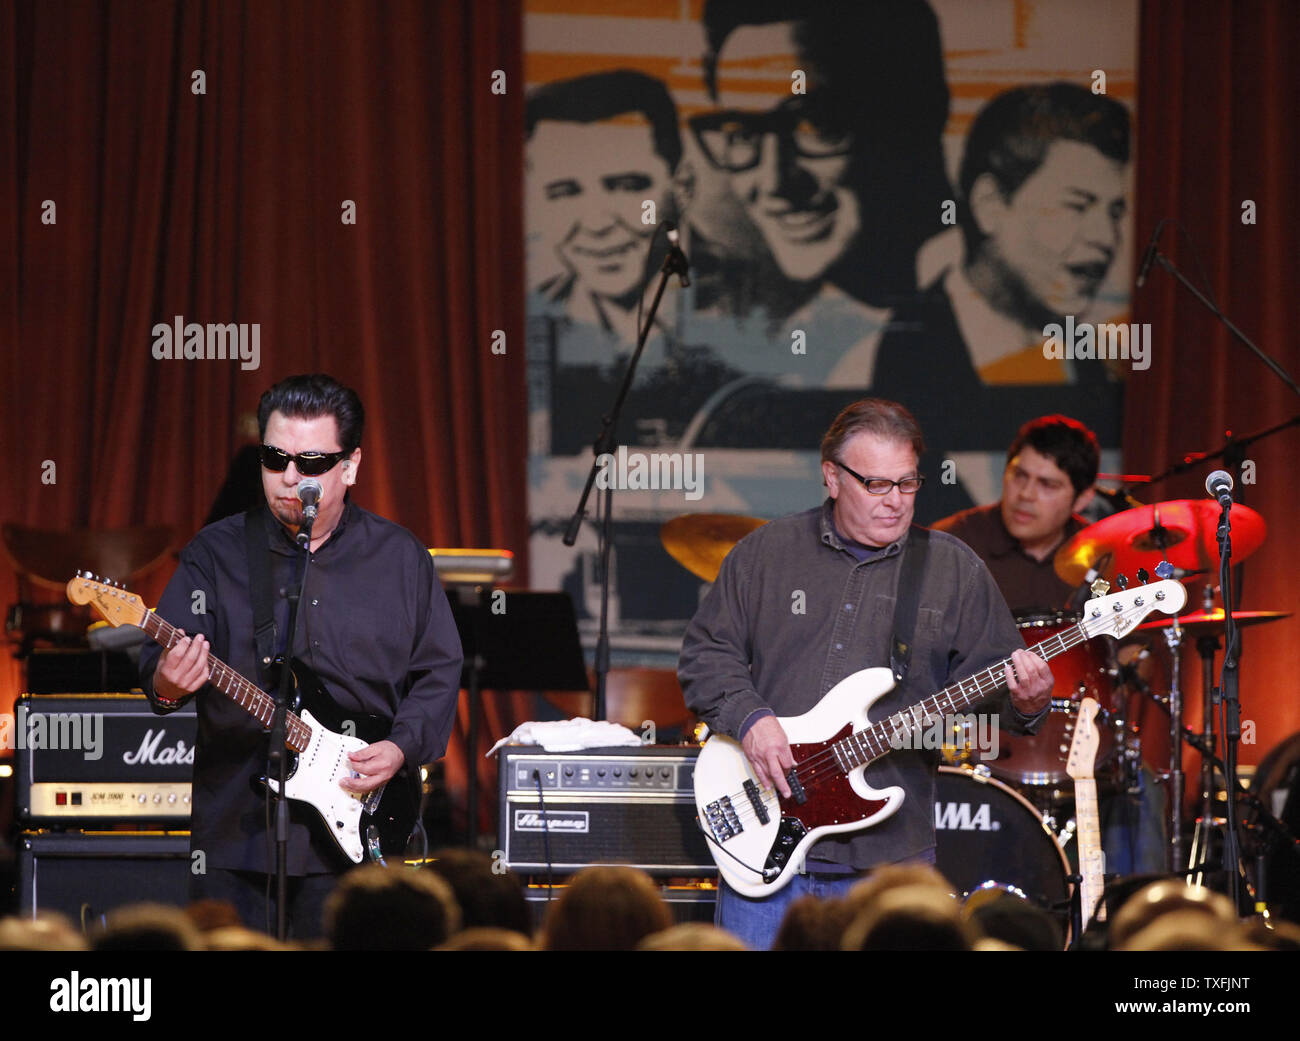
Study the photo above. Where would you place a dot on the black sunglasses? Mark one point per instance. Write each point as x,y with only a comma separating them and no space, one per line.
309,464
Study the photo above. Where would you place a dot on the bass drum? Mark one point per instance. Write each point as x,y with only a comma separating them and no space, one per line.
1082,671
987,834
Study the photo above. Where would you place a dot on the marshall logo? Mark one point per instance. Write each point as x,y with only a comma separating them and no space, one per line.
956,816
150,754
574,821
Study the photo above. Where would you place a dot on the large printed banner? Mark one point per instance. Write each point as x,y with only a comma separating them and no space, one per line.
929,202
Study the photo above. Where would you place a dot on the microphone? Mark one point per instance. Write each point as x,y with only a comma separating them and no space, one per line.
676,260
1148,258
1219,486
309,495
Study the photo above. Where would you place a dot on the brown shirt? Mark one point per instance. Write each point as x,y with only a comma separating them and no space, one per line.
1028,585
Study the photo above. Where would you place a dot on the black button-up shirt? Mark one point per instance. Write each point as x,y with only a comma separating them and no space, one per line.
793,612
374,626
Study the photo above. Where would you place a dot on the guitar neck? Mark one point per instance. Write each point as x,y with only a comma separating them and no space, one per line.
255,701
873,742
1091,859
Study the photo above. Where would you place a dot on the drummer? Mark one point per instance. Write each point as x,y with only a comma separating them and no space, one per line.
1051,468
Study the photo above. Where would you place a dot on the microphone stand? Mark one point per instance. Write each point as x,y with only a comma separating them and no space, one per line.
604,448
277,754
1231,703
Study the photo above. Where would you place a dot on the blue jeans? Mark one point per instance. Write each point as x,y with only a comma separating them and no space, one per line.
757,921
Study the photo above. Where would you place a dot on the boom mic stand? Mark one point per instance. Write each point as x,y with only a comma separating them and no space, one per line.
606,444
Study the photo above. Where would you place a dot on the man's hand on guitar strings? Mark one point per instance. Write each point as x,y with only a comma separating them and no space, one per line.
1030,682
768,751
182,669
376,764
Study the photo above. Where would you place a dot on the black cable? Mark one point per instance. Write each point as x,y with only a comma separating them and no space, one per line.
546,834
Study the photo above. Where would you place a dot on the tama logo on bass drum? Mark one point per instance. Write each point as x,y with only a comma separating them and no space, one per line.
957,816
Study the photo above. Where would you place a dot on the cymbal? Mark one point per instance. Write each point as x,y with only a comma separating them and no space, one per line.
700,541
1210,623
1182,530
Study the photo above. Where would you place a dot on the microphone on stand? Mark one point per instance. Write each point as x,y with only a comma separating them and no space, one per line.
1219,486
309,491
676,260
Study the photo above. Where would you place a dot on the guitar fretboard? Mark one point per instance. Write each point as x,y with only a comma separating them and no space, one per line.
873,742
1091,859
255,701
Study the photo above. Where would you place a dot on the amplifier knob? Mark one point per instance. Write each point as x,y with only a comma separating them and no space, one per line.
171,798
157,798
142,799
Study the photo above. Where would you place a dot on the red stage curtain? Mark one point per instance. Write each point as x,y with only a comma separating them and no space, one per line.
1218,126
227,206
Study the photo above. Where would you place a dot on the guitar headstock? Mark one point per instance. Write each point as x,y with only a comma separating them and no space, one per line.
118,606
1083,746
1119,613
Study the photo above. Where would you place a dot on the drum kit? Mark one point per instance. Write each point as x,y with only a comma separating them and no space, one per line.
997,822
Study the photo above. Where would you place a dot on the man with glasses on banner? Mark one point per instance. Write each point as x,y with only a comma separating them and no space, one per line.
827,132
807,600
374,626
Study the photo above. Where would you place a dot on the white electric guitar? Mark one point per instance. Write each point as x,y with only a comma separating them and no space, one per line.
759,839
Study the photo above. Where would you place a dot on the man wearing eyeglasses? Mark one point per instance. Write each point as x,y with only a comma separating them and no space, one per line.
807,600
827,128
374,626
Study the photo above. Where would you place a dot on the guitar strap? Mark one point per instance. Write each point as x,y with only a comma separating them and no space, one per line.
907,602
259,589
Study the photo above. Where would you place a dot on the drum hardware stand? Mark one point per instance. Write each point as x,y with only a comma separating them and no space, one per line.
1206,646
1174,777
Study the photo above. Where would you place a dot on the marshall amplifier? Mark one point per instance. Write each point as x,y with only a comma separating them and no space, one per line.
601,806
99,758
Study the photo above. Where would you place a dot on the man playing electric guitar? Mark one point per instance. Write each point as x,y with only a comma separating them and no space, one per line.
809,599
374,626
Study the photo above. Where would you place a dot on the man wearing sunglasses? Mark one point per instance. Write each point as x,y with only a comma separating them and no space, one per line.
807,600
374,626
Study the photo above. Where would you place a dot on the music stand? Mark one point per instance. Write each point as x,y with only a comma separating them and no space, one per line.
513,640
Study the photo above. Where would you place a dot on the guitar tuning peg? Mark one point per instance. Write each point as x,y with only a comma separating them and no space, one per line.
1165,569
1143,576
1121,580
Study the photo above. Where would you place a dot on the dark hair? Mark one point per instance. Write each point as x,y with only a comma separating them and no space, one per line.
608,907
1067,442
382,909
1010,137
886,419
313,396
604,95
880,75
487,896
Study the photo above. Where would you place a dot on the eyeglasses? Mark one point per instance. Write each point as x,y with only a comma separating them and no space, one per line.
733,140
882,485
309,464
